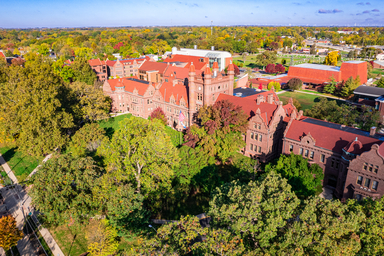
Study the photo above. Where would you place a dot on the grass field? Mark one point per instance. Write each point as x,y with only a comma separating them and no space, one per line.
378,71
21,165
306,100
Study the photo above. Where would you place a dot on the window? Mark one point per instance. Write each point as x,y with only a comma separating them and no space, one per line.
365,167
311,155
370,168
359,180
358,197
256,136
306,153
251,147
333,163
259,126
259,149
337,165
375,169
301,151
290,148
252,135
261,137
374,185
367,182
322,158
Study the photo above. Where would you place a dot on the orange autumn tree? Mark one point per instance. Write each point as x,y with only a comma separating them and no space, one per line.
9,234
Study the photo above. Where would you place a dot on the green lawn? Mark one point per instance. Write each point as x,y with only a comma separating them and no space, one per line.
378,71
319,93
21,165
110,125
306,100
71,241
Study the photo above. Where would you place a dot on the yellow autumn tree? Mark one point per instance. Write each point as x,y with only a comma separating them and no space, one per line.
102,238
9,234
331,58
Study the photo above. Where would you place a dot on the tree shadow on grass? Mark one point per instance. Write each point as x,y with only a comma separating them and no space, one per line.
9,154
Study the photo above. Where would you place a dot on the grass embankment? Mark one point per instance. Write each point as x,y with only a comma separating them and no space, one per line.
21,165
306,100
73,241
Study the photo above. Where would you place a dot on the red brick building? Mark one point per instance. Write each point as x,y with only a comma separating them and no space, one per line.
338,149
172,88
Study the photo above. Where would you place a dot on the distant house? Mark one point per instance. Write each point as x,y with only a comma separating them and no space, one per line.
378,64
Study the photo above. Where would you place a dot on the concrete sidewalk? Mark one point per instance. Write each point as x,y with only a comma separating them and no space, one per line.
19,204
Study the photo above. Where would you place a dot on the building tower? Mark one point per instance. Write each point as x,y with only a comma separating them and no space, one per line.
192,93
207,86
231,74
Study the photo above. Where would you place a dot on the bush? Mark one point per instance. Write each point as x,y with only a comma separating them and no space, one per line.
270,68
275,85
279,68
294,84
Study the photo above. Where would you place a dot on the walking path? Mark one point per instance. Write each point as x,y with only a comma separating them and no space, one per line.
20,205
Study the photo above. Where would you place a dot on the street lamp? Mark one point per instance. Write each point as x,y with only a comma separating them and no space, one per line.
152,227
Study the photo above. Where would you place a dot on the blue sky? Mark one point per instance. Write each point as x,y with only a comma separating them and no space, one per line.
71,13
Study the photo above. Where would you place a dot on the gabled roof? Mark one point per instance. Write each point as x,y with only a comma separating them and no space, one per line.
330,136
154,66
179,91
130,84
248,104
95,62
179,73
187,59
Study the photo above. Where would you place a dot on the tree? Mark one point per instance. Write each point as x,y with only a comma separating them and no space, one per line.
159,114
220,136
305,179
265,58
380,82
275,85
83,71
297,104
312,49
324,227
16,52
331,58
294,84
284,61
279,68
270,68
330,87
62,189
349,86
31,109
86,140
88,102
141,152
43,49
102,238
9,234
257,212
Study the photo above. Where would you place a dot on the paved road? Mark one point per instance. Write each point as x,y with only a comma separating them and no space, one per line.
19,204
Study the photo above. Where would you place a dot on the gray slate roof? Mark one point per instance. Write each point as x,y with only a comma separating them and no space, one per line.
369,91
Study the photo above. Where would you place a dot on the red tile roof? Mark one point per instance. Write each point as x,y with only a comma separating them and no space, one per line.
178,91
179,73
248,104
130,84
188,59
95,62
328,138
151,66
265,94
2,54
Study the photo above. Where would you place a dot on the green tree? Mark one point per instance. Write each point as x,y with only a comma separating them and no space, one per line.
86,140
380,82
220,136
294,84
141,152
275,85
330,87
102,238
83,71
324,227
43,49
349,86
265,58
31,108
258,211
62,189
9,234
312,49
305,179
88,102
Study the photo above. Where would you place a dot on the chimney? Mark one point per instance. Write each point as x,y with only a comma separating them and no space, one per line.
258,100
372,132
212,48
195,47
270,98
174,82
300,114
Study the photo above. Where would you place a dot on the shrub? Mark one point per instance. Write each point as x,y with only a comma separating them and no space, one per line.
270,68
275,85
294,84
280,68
